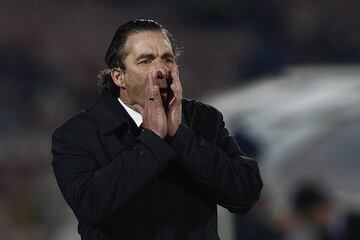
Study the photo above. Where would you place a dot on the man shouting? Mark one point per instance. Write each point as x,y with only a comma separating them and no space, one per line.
142,162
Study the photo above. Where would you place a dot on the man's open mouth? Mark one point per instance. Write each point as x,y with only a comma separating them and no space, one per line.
163,93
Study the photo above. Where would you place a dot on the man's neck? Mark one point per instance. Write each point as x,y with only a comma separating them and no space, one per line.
132,113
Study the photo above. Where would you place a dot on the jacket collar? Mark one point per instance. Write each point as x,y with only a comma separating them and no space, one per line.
109,113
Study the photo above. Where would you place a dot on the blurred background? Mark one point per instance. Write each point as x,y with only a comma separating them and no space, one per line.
285,74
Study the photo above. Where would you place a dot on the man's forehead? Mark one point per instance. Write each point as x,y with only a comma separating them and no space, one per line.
140,42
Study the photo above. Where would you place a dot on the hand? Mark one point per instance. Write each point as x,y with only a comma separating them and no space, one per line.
174,111
153,113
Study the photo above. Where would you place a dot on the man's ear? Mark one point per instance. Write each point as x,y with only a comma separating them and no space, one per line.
118,76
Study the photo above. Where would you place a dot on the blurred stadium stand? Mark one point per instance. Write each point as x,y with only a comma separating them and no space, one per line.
284,73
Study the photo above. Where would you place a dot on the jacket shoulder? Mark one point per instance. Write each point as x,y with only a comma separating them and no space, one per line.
80,124
200,110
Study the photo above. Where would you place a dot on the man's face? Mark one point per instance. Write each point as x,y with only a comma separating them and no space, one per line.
146,52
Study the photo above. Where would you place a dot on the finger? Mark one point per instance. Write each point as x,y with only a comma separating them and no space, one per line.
151,86
175,69
147,84
156,95
171,103
176,82
175,72
177,97
152,73
150,80
176,89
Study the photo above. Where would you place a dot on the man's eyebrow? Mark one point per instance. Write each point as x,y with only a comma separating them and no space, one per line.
145,55
168,55
152,56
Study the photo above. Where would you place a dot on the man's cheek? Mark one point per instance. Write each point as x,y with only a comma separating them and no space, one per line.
140,93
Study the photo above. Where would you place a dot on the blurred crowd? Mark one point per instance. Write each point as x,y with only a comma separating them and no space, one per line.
51,52
313,216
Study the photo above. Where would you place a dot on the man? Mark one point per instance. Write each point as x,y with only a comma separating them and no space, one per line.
311,213
144,163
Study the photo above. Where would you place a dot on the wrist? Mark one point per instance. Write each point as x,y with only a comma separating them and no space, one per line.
161,135
157,132
173,133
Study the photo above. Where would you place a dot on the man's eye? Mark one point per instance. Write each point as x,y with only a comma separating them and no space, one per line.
169,60
148,60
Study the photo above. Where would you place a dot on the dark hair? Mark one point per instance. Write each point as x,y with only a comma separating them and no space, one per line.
116,52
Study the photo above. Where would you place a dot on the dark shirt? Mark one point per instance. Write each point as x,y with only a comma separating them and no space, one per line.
125,182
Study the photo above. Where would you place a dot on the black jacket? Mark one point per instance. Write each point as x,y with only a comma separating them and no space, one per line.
124,182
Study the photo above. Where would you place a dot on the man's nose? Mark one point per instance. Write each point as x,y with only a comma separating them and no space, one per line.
161,69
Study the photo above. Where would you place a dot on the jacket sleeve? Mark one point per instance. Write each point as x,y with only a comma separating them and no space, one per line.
233,179
94,193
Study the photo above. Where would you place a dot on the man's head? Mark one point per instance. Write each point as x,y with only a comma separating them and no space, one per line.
137,47
312,203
